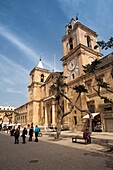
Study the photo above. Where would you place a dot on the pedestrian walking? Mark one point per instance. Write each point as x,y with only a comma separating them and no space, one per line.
24,134
16,135
37,130
31,133
12,131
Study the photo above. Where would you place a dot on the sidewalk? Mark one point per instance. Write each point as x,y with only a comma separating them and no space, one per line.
101,141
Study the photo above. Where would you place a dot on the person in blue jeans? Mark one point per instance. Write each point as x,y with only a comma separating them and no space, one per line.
37,130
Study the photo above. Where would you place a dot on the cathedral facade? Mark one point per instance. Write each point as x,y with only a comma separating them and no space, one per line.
78,50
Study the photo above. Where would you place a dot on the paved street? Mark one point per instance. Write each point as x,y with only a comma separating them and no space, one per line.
49,156
101,141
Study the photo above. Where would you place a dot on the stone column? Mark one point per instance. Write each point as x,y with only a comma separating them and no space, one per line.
53,114
46,119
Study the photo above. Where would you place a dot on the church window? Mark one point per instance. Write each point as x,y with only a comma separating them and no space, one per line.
42,78
73,76
71,43
89,41
69,28
75,120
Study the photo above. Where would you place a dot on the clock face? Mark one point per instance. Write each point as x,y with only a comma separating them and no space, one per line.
71,65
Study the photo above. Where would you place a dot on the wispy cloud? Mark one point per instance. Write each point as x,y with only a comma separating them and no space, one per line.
14,78
20,45
11,90
8,81
93,10
15,40
11,65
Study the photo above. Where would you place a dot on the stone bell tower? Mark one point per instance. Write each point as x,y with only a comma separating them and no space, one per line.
78,48
36,93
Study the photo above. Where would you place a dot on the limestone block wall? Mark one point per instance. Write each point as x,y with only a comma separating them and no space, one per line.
36,113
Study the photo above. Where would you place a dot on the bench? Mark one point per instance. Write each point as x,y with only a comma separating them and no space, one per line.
87,141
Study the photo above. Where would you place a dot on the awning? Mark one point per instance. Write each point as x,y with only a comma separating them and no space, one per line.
12,124
18,124
93,115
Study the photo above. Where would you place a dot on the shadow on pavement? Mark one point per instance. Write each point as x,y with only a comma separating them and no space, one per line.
109,162
108,144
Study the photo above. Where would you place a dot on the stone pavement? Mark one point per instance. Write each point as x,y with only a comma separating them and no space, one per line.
50,156
101,141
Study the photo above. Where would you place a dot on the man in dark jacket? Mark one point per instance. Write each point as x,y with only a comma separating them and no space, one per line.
24,133
31,133
16,135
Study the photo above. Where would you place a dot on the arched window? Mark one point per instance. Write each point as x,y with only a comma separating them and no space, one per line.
73,76
69,28
71,43
42,78
89,41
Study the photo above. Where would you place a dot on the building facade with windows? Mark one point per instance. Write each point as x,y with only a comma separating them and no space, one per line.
7,114
78,50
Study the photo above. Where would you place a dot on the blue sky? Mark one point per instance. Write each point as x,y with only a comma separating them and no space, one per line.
33,28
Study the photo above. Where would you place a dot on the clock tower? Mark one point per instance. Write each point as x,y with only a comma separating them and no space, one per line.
78,49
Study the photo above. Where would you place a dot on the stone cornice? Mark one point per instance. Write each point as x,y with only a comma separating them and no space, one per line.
94,94
78,79
35,83
49,98
21,114
54,74
83,27
79,49
39,69
33,101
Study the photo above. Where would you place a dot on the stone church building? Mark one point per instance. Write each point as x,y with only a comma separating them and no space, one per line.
78,50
